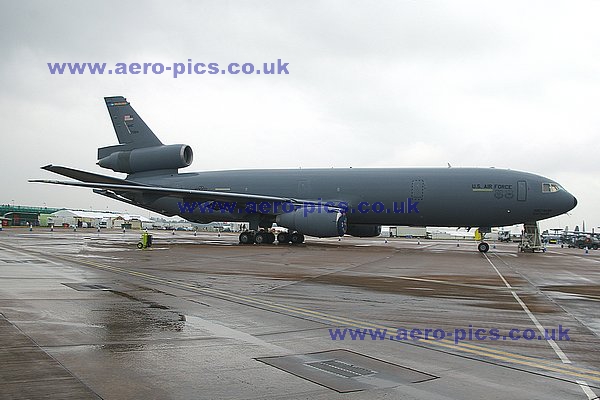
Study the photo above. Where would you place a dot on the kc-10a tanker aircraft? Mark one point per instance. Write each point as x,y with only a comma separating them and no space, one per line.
314,202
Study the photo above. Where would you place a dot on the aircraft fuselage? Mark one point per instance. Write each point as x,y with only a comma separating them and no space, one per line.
482,197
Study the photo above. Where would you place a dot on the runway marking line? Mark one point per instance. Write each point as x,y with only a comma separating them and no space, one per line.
563,357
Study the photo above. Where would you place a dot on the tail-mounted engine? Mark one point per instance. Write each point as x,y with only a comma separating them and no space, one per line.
165,157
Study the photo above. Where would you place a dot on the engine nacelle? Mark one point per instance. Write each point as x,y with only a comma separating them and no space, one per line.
172,156
364,230
314,223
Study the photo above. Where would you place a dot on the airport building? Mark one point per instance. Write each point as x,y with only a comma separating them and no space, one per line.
12,215
24,215
98,219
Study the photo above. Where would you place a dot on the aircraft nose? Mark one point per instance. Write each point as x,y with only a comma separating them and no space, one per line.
574,201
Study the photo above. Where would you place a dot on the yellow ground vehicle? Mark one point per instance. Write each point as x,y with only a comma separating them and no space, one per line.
145,241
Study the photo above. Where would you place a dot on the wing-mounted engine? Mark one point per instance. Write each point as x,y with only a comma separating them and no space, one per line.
311,222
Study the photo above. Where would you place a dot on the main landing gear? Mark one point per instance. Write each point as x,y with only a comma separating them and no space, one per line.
265,237
294,237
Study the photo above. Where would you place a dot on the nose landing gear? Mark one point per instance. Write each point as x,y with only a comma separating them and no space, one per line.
483,247
480,233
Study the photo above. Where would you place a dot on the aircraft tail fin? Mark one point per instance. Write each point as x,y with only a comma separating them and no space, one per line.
139,150
131,130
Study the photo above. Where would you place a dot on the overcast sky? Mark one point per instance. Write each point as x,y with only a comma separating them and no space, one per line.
371,84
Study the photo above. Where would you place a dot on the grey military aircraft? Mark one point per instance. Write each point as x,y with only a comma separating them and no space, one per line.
314,202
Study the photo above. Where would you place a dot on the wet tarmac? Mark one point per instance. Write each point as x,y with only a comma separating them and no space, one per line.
87,315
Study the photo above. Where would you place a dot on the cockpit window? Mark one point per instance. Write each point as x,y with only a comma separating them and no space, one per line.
550,187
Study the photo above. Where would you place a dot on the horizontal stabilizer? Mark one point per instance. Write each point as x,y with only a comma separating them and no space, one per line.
85,176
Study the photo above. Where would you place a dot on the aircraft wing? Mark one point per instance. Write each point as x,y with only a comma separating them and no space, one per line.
102,182
197,195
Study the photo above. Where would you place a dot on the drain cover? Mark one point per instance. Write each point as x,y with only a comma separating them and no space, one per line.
346,371
340,368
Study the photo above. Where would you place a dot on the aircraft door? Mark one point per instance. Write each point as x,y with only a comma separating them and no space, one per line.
417,189
521,190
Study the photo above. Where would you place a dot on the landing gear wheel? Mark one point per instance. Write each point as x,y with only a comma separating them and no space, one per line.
246,238
260,238
283,237
297,238
264,237
483,247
